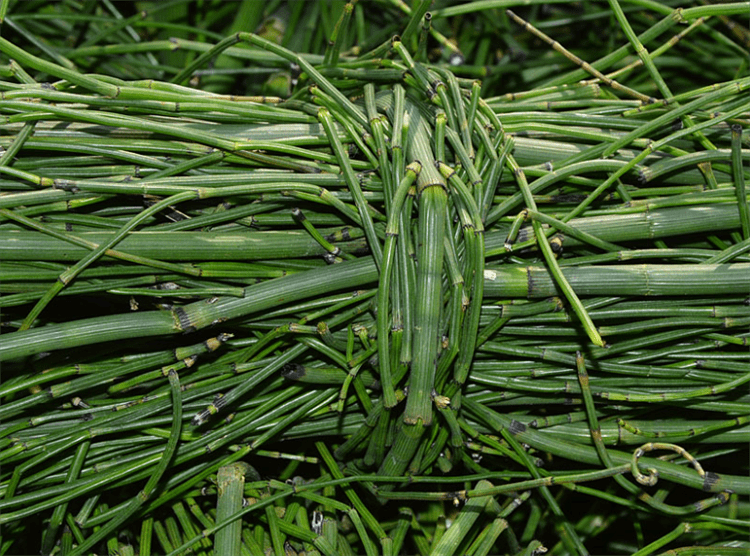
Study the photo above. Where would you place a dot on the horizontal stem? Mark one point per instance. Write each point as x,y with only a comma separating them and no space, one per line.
642,279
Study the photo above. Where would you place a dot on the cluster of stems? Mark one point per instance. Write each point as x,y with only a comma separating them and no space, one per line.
446,313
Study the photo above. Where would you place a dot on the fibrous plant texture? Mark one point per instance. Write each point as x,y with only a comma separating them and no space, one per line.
374,277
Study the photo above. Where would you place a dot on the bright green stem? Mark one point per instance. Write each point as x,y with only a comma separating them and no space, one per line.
354,498
50,534
143,496
230,481
631,279
473,231
433,202
314,75
85,81
648,63
351,179
401,453
739,180
258,297
331,57
26,131
463,523
551,260
383,320
66,277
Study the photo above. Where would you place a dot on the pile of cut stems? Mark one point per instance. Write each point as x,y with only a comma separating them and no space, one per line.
371,304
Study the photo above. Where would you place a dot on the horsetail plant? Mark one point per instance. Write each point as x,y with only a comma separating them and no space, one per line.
374,278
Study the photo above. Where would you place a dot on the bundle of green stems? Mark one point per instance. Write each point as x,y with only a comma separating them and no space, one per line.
374,305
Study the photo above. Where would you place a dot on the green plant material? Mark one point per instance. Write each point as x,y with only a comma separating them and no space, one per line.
466,517
646,280
388,288
230,483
